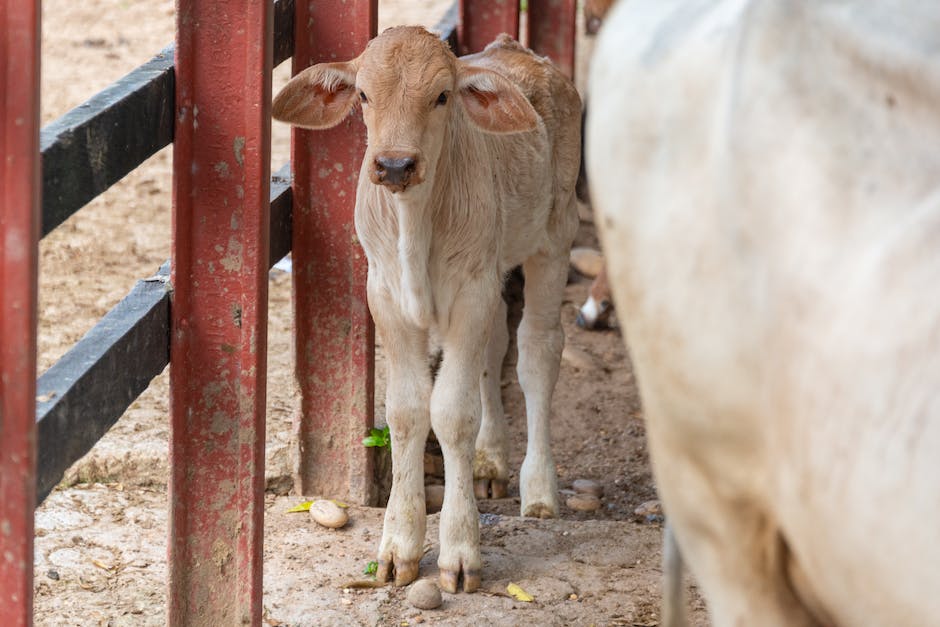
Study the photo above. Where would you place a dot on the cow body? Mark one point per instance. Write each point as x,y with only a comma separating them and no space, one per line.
470,171
770,212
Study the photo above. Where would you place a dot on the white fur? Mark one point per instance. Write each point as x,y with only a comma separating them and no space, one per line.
766,175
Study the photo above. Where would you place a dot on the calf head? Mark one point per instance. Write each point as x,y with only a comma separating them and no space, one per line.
410,87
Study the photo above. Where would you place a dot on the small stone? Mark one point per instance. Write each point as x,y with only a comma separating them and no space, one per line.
328,514
424,595
588,486
587,261
573,597
52,574
433,498
650,511
583,502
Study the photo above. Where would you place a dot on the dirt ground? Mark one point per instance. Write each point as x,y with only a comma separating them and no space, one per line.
101,535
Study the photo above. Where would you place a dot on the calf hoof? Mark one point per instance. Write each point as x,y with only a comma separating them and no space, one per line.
449,578
490,488
540,510
404,571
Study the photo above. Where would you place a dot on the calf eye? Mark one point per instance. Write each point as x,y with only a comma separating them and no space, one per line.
442,99
362,96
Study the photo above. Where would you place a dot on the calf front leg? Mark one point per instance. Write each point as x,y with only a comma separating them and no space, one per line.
407,410
455,415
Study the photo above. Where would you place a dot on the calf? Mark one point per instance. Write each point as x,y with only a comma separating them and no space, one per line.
470,171
766,175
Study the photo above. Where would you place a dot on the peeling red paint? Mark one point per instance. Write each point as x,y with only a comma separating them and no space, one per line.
219,313
19,236
551,26
481,21
334,341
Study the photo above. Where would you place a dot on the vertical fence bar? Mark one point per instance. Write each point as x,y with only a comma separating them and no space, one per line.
334,333
482,20
19,237
551,26
221,160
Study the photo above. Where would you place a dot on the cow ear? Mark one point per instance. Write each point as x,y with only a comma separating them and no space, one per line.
493,103
319,97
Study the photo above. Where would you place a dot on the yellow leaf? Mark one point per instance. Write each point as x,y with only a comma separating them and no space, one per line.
339,503
519,594
303,507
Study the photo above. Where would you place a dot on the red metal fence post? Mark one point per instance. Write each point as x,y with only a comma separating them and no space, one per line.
19,237
482,20
551,26
218,347
334,333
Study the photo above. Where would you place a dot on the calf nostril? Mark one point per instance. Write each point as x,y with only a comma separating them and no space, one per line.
395,170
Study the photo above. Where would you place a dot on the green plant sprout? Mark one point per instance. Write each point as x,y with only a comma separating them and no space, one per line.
378,437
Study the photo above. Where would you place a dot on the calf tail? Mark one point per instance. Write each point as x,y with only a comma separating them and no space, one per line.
673,608
581,187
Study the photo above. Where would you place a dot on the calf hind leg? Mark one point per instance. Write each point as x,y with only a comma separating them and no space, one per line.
540,340
491,462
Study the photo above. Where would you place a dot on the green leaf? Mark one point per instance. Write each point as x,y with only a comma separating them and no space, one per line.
378,437
371,568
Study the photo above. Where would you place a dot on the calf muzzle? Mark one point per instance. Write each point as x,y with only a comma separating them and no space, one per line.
396,171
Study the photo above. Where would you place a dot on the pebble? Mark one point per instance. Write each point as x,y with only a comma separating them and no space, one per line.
650,511
433,498
583,502
587,261
588,486
424,595
328,514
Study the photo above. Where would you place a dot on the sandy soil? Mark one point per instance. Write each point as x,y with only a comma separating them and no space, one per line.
101,536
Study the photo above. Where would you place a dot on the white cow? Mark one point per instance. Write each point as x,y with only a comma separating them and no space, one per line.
767,178
470,171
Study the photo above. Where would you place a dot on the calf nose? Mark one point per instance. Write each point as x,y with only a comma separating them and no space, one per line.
396,171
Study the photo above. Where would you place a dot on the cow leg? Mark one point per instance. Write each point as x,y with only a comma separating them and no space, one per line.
455,416
540,339
491,462
407,404
733,546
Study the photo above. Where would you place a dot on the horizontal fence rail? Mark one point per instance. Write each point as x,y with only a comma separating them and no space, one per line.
84,393
97,143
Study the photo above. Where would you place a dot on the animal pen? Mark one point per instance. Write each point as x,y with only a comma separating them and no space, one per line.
205,312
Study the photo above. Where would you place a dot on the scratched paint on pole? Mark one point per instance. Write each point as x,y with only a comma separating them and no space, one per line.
219,311
482,20
551,26
334,332
19,236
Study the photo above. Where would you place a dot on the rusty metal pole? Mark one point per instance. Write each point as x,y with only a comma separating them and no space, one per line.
221,161
334,332
551,26
480,21
19,237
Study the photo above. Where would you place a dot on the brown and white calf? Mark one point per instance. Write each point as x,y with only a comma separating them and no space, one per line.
470,171
766,175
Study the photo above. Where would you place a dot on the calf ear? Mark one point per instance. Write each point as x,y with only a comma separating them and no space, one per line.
493,103
319,97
